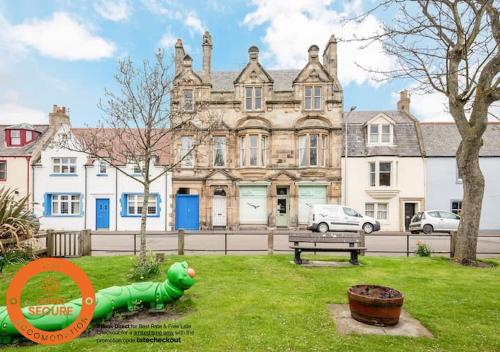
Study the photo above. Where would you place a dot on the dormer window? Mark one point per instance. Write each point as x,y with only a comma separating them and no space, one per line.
312,98
15,137
380,134
29,136
253,98
188,100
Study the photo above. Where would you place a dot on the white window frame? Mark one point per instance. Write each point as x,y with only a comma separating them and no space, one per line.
136,200
314,97
260,149
376,173
305,148
186,146
379,135
60,199
64,162
375,213
252,101
30,134
222,148
17,137
102,164
188,104
243,154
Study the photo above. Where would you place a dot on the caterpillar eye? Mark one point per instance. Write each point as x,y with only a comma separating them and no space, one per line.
191,272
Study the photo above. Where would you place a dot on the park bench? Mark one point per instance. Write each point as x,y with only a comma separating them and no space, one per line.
353,239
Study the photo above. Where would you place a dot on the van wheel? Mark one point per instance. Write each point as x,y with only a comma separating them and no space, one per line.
428,229
368,228
323,227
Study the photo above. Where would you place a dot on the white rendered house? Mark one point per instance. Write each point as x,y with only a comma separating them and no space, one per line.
71,192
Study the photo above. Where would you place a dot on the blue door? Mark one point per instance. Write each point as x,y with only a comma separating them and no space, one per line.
102,213
187,212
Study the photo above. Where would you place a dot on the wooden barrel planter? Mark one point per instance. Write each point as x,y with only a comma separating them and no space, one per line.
375,305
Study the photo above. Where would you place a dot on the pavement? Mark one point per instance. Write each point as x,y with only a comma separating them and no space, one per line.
379,243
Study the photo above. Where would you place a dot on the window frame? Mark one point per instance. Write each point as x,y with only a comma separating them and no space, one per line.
136,200
4,171
216,149
252,98
100,166
376,211
374,175
260,149
187,159
19,137
64,161
458,209
315,100
185,101
379,134
57,198
306,149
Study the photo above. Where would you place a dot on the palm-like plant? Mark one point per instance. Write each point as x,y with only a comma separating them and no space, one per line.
16,220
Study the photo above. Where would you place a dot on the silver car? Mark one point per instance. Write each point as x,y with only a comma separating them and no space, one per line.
434,221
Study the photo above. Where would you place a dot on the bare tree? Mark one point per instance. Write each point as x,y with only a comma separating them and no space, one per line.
139,128
452,47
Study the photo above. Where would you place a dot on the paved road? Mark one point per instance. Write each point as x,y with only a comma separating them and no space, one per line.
377,244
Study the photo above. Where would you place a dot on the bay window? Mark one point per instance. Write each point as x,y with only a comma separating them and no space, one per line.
186,151
253,150
312,150
220,151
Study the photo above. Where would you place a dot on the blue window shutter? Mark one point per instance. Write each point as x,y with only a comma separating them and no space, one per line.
123,201
158,205
47,204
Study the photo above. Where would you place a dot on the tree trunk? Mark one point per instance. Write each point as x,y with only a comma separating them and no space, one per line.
144,214
473,185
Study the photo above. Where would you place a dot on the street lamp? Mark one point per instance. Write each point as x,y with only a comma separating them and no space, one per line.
345,153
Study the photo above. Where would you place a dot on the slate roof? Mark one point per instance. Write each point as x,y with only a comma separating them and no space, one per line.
443,139
224,80
24,150
406,142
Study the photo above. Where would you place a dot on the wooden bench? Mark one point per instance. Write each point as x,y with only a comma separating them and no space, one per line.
353,239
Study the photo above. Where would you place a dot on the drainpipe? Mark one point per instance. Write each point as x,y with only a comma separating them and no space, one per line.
116,199
86,199
28,176
345,153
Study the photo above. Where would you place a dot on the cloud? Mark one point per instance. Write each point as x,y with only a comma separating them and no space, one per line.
167,41
12,113
113,10
60,37
194,23
292,26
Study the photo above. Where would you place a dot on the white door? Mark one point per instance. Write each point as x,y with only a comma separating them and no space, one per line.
219,211
253,205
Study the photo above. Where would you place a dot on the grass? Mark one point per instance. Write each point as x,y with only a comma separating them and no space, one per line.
264,303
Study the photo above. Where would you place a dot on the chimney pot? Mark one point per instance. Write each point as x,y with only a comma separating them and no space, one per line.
404,101
59,116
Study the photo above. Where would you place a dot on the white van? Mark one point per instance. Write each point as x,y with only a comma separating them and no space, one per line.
334,217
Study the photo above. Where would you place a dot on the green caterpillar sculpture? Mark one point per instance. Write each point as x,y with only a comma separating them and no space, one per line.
179,278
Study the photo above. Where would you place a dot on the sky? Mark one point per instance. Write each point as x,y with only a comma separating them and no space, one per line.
65,52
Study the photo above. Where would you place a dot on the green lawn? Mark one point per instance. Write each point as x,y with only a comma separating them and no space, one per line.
264,303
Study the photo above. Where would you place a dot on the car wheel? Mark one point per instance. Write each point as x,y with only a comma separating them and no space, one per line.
323,227
428,229
368,228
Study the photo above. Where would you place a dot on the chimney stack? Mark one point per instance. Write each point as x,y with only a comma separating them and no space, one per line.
404,101
313,53
207,55
59,116
330,56
179,56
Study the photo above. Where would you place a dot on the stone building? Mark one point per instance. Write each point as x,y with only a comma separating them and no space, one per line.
275,151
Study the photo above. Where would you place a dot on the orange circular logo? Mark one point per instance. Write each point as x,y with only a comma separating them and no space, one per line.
67,333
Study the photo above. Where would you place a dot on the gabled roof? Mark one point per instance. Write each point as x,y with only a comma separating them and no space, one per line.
224,80
442,139
25,150
406,141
